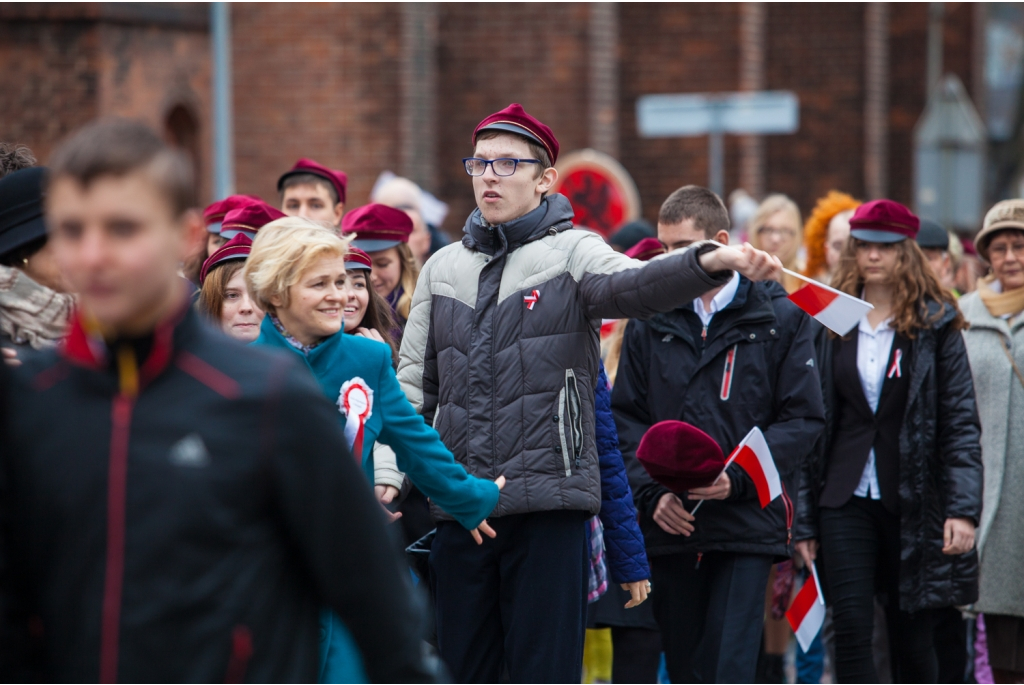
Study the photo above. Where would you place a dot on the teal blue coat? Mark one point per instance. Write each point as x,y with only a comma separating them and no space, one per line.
420,453
418,449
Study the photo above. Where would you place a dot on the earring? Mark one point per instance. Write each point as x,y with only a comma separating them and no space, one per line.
25,261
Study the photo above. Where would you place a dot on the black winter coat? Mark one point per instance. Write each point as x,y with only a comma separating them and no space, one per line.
668,373
190,533
940,466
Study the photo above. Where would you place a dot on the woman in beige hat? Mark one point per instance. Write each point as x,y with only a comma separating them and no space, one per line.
995,347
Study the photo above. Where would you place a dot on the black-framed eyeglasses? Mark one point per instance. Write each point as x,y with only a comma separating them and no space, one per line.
503,166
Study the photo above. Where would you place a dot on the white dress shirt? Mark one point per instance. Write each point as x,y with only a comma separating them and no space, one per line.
873,348
719,302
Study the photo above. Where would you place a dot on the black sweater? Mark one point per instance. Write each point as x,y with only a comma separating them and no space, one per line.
191,532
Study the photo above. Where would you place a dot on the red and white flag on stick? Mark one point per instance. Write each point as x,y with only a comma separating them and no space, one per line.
835,310
754,457
807,614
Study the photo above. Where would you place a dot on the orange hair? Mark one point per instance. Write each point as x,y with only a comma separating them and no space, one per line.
816,228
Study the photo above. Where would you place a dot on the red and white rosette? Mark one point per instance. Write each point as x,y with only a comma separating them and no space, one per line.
356,403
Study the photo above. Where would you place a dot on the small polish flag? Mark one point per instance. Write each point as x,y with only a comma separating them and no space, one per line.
755,458
807,614
835,310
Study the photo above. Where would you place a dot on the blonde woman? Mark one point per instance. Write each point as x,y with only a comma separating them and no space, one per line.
296,273
776,228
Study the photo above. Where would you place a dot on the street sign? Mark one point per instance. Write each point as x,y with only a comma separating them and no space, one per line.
715,114
950,141
772,111
602,193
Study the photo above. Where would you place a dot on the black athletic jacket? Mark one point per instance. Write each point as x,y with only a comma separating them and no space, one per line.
189,532
754,366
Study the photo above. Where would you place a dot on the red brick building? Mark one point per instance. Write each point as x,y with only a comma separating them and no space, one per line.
369,87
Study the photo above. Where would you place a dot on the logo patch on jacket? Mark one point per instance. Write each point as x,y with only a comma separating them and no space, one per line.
531,299
190,452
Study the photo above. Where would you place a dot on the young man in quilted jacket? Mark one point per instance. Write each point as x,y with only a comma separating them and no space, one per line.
501,355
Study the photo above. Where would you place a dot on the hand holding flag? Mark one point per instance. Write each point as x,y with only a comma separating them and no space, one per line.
753,455
807,614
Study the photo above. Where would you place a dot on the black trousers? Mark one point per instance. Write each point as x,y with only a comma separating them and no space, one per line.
519,600
711,614
860,558
636,654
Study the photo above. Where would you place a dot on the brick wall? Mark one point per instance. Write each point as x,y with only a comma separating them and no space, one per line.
669,48
490,55
318,81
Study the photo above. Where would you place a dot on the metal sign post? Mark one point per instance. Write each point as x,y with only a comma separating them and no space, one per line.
714,115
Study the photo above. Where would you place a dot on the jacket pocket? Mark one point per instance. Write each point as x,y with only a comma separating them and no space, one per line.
570,422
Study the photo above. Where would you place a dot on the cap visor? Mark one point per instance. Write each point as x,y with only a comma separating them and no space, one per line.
214,228
512,128
375,245
870,236
356,266
232,232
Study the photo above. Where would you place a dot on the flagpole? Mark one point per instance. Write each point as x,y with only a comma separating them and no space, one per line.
732,458
817,583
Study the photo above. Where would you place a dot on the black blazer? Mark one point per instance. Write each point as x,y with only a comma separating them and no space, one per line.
858,429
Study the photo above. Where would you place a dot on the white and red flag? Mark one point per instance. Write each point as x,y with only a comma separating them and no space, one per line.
835,310
807,614
755,458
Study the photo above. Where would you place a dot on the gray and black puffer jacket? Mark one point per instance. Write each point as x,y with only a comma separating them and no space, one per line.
501,349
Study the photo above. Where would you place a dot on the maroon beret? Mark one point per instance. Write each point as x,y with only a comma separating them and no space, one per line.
646,249
356,259
514,119
214,214
680,456
377,227
338,179
883,221
249,219
236,248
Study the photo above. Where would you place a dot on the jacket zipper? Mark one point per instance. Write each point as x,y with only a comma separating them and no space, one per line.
575,414
117,482
561,432
241,653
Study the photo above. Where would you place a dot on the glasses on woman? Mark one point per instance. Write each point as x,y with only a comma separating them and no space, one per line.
503,166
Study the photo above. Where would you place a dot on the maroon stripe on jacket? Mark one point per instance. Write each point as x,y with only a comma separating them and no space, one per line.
215,380
117,482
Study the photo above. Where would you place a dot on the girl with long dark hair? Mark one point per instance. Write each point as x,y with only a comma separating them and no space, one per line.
894,495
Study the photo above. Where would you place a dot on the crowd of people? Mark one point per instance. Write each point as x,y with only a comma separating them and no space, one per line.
301,441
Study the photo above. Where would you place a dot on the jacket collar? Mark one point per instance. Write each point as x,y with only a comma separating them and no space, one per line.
84,345
749,305
554,212
325,350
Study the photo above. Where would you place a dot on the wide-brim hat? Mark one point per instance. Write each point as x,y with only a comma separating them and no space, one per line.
21,208
377,227
883,221
515,119
337,179
1004,216
238,247
680,456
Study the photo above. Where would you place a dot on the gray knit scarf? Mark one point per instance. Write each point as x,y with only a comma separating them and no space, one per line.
31,313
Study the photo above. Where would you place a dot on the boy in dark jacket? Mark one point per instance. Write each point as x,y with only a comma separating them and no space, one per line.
740,356
175,506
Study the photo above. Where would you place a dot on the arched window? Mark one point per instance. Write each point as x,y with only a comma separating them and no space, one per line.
182,131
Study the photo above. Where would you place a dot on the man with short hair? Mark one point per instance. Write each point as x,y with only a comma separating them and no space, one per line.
501,355
175,506
738,356
314,192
